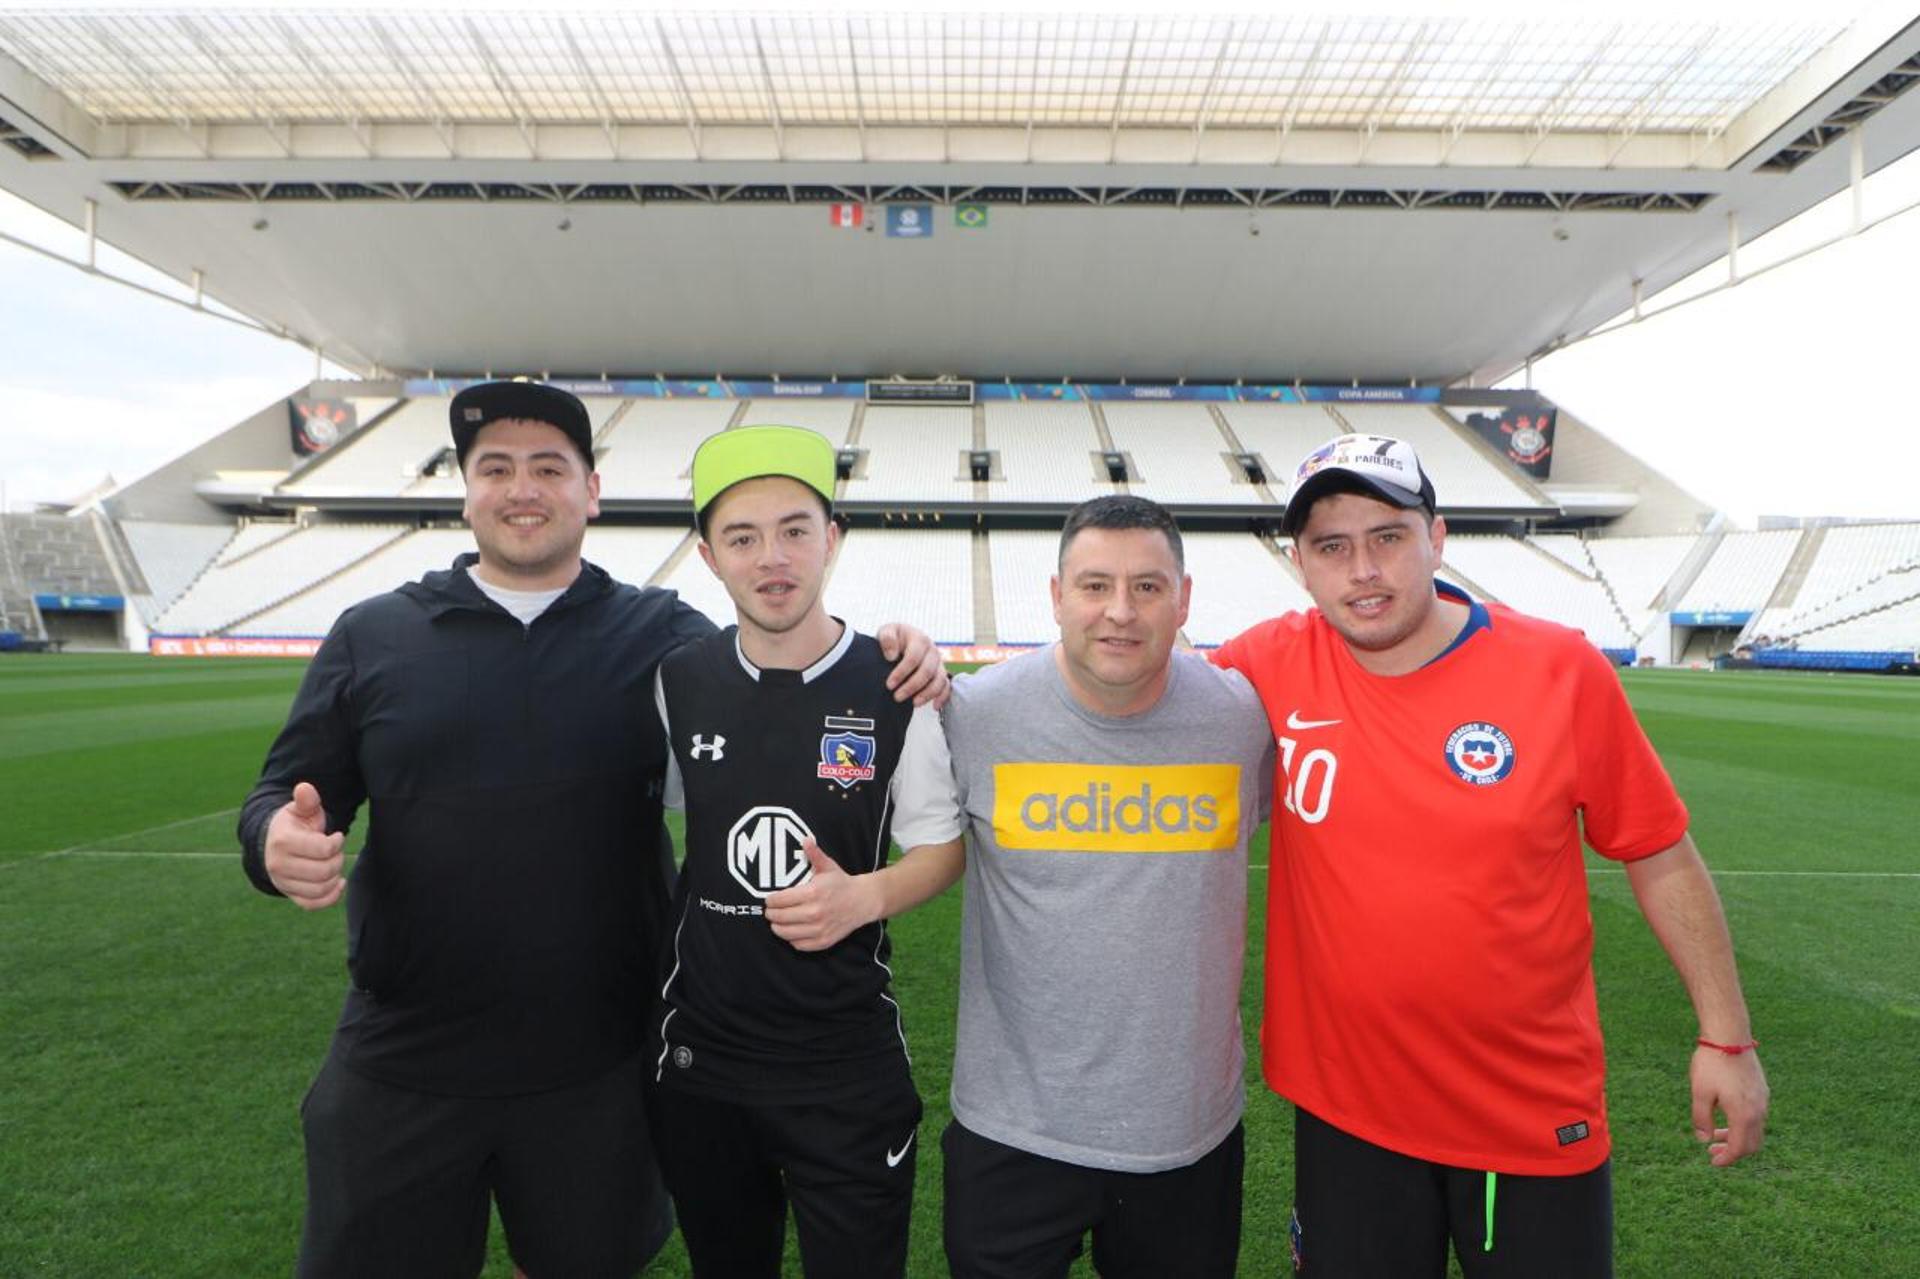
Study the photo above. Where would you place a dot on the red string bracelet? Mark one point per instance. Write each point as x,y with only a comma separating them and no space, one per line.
1731,1050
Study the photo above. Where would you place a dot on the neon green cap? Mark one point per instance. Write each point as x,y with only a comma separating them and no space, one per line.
749,452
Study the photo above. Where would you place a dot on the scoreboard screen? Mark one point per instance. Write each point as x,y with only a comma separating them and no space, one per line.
919,392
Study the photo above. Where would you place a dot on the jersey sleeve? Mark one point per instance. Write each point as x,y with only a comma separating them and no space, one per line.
1231,656
672,793
1628,805
926,801
318,744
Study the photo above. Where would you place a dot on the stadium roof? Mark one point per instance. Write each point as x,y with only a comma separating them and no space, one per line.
1449,193
1584,74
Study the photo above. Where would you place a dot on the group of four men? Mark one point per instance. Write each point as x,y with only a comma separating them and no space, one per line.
545,1015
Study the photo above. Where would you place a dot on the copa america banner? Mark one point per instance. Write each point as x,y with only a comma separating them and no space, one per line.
318,425
1370,394
1525,435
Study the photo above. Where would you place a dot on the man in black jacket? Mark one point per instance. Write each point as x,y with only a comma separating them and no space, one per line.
504,922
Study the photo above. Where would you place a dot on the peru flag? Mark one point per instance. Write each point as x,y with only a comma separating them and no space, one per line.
849,215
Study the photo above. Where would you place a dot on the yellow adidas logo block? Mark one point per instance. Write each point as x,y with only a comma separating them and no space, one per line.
1112,808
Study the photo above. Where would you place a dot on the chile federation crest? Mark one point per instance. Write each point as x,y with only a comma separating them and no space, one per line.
1479,753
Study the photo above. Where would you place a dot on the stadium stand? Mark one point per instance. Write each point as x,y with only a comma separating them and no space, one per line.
890,575
1048,452
1023,562
1813,589
378,459
832,418
253,535
409,553
1280,435
1863,601
1638,569
1237,582
1523,577
647,452
636,555
914,455
1178,453
1463,474
1742,574
1848,563
629,554
240,586
170,556
1568,549
1889,625
697,585
17,614
56,554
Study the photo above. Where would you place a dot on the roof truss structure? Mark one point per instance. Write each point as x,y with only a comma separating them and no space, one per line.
911,85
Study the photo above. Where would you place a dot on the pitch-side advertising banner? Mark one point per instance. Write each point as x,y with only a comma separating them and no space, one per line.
232,646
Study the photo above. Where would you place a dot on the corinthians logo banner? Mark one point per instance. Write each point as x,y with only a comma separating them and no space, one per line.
318,424
1524,435
1092,808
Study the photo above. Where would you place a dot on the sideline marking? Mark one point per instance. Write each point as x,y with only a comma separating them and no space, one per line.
1817,874
88,846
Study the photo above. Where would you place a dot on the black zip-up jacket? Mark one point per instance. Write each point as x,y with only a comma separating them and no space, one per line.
504,919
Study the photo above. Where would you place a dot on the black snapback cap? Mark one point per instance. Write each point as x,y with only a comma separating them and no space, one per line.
486,402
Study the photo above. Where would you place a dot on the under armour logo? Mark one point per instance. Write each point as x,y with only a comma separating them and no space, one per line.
715,749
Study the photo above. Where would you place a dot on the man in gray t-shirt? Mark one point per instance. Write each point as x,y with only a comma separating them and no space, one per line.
1110,787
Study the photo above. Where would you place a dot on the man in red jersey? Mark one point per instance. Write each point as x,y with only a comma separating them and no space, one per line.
1429,993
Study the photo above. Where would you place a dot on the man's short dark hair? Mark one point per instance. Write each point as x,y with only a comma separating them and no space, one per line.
1123,511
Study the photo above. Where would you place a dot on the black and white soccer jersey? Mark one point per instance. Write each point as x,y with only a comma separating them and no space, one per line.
764,760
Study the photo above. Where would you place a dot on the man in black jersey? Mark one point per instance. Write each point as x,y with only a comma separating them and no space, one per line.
779,1051
507,913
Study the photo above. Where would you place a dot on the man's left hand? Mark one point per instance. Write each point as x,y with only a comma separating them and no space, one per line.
1733,1085
918,673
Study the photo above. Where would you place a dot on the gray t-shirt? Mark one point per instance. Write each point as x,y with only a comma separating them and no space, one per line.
1105,918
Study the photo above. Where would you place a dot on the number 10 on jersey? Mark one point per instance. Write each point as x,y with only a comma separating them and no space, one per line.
1309,788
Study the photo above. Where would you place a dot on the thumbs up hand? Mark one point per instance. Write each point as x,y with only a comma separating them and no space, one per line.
302,859
825,907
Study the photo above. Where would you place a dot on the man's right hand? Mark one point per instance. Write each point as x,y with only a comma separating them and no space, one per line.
302,859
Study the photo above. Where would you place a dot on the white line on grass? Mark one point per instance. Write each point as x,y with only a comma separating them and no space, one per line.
150,852
1819,874
85,845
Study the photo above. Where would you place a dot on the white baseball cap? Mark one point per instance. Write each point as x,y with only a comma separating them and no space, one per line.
1374,465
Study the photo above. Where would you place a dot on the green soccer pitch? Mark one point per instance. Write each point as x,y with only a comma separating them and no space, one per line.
159,1020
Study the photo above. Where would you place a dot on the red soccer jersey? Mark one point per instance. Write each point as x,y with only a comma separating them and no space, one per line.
1428,983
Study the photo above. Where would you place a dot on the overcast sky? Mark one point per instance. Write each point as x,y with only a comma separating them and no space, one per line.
1790,394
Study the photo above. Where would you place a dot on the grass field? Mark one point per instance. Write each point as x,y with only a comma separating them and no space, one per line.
159,1021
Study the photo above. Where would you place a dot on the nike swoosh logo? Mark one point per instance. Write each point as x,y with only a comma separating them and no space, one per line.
894,1157
1296,723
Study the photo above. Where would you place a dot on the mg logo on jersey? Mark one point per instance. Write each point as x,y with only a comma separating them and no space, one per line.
1479,753
766,850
